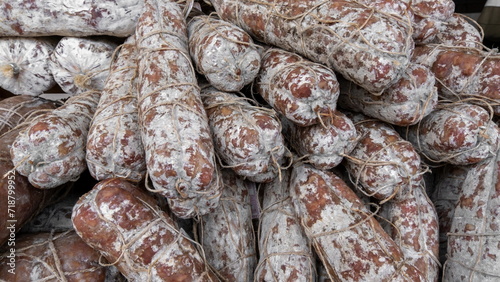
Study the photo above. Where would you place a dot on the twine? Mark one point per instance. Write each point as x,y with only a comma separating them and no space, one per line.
56,271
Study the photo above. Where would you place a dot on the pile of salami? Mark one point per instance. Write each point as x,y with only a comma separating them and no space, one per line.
247,140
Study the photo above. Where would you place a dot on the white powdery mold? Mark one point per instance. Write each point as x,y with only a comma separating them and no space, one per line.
247,138
24,65
223,52
81,64
406,102
78,18
51,150
373,53
295,87
457,133
227,234
344,232
325,144
382,164
114,146
473,249
284,250
180,156
152,248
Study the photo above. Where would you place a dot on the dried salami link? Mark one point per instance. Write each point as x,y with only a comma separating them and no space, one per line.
296,87
352,245
473,249
323,145
463,72
21,200
383,164
227,234
81,64
180,156
285,252
114,147
447,191
406,102
69,18
456,133
427,17
24,65
247,138
17,109
51,150
365,45
126,226
224,53
413,225
53,257
459,30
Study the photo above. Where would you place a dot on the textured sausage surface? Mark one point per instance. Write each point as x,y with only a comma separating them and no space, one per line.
344,232
247,138
53,257
51,150
382,164
69,18
285,252
473,241
126,226
323,145
224,53
366,46
24,65
21,201
406,102
296,87
413,223
16,109
456,133
447,191
227,234
180,156
458,30
114,146
79,64
463,72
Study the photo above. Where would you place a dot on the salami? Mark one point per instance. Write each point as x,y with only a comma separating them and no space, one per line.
247,138
180,156
21,200
126,226
406,102
69,18
459,30
81,64
51,150
227,234
53,257
323,145
365,45
473,248
463,72
24,65
414,226
447,191
224,53
352,245
17,109
456,133
383,164
285,252
114,147
296,87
